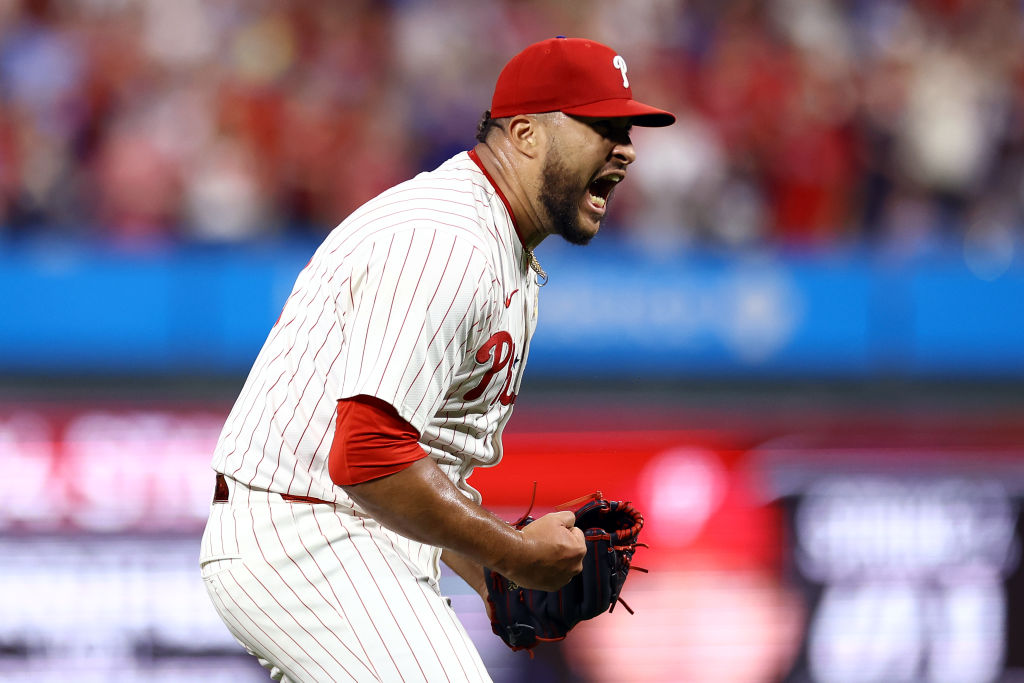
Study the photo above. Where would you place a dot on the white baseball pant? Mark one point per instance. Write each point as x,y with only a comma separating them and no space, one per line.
317,594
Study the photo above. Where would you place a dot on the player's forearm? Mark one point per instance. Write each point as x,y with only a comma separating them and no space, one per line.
470,571
421,503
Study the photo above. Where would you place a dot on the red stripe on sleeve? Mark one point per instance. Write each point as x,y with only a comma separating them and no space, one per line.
370,441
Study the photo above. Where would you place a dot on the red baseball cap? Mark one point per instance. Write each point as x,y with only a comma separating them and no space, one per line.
574,76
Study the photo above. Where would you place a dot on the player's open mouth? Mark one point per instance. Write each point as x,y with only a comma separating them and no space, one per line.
599,190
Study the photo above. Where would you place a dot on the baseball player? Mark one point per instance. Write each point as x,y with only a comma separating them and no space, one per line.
342,468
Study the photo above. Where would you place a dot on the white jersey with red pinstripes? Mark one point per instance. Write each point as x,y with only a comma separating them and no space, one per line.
423,298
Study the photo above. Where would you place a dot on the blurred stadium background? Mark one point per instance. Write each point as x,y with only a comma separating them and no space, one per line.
798,345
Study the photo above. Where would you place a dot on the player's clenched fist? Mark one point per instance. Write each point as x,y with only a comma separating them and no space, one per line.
552,552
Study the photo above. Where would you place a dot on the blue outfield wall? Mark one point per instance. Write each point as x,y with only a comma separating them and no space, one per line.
606,312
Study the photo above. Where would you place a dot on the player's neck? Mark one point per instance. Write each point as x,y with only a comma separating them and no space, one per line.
514,178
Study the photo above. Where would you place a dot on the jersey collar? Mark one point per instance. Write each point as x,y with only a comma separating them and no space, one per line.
508,207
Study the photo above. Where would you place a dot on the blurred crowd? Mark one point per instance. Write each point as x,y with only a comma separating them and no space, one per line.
802,123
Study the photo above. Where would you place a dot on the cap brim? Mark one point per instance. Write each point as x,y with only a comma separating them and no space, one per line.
640,114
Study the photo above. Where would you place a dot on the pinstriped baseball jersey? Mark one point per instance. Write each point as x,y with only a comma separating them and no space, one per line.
423,298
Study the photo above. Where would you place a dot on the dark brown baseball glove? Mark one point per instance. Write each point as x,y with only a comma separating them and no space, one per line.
524,617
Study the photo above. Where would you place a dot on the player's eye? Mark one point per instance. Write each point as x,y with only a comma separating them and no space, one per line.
615,131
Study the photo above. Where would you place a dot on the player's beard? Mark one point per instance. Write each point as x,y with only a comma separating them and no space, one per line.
560,197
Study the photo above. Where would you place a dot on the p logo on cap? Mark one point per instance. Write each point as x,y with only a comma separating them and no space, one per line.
574,76
619,63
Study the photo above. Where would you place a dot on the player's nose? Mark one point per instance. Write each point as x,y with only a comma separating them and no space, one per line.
624,152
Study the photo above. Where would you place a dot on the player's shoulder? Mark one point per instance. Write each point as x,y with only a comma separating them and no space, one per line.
456,187
452,199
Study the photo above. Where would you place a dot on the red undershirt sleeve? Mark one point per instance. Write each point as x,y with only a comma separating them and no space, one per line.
370,441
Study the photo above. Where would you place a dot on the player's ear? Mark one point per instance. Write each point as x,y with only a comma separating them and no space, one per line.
526,134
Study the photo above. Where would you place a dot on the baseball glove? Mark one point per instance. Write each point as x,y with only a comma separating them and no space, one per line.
524,617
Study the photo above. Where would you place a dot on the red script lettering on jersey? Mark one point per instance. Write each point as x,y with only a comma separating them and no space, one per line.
500,351
508,299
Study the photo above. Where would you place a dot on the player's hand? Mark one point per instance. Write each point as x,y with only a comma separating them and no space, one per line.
552,552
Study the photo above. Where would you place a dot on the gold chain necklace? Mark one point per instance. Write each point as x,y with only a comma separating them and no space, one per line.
542,277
